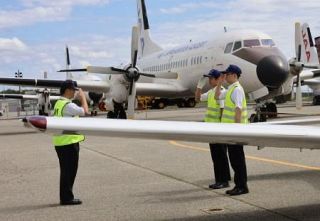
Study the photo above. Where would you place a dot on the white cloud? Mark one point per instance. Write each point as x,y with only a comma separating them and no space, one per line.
60,3
13,44
35,11
182,8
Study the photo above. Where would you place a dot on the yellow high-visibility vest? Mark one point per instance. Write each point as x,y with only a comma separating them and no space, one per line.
229,111
63,140
213,114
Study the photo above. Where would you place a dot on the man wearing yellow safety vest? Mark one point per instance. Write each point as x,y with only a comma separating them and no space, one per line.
213,115
67,145
235,111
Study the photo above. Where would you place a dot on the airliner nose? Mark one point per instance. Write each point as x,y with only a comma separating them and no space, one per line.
273,71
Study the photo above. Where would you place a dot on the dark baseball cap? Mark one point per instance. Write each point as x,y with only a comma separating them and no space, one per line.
233,69
68,84
213,74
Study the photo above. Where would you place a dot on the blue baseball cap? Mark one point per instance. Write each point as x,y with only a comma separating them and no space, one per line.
213,74
233,69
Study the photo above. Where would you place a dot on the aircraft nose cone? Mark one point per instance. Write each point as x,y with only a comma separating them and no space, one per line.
273,71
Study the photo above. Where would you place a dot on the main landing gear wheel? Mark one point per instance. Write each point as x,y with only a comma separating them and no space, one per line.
191,102
264,112
118,112
94,113
272,110
316,100
260,116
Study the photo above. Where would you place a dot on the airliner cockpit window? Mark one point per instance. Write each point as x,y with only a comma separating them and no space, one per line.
267,42
237,45
251,43
228,48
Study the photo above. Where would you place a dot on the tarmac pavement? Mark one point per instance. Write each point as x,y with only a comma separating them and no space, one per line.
127,179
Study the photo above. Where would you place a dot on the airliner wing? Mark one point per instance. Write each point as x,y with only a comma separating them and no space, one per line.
262,135
25,97
94,86
159,89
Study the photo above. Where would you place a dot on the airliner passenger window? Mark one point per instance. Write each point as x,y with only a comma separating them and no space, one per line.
267,42
237,45
251,43
228,48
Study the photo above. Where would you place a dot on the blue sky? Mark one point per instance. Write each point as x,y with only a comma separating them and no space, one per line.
33,33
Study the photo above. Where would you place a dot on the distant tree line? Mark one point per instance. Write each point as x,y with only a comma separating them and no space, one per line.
11,91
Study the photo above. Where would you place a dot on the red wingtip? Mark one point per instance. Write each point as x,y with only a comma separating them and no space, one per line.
38,122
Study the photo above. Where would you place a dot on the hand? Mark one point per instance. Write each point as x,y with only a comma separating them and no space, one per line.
79,95
202,82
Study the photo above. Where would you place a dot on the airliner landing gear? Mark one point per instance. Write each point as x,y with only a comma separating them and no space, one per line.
264,111
118,112
316,100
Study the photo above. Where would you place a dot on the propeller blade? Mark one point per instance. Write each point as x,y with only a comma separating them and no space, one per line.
98,70
292,92
299,94
135,59
74,70
311,66
119,70
134,45
131,101
298,41
67,56
147,75
299,53
131,86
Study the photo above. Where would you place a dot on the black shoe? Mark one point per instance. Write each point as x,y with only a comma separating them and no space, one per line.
217,186
237,191
71,202
229,191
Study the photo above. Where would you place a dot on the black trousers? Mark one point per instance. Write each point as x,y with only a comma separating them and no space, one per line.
238,164
68,160
220,162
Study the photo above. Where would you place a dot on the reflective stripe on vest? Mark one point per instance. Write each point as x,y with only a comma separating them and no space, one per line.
63,140
213,114
229,111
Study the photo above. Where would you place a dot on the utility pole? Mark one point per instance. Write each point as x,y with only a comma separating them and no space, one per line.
19,75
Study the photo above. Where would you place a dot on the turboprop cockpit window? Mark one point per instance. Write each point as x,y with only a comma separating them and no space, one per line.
251,43
228,48
237,45
267,42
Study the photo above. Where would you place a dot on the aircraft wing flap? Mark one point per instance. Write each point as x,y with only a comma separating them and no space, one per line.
287,136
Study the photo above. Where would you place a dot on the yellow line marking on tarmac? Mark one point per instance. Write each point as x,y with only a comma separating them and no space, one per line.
175,143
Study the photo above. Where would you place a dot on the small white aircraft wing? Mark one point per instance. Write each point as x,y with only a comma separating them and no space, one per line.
93,86
25,97
261,135
159,89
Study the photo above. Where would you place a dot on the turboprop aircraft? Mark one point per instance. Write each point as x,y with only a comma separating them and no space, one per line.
175,72
43,96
